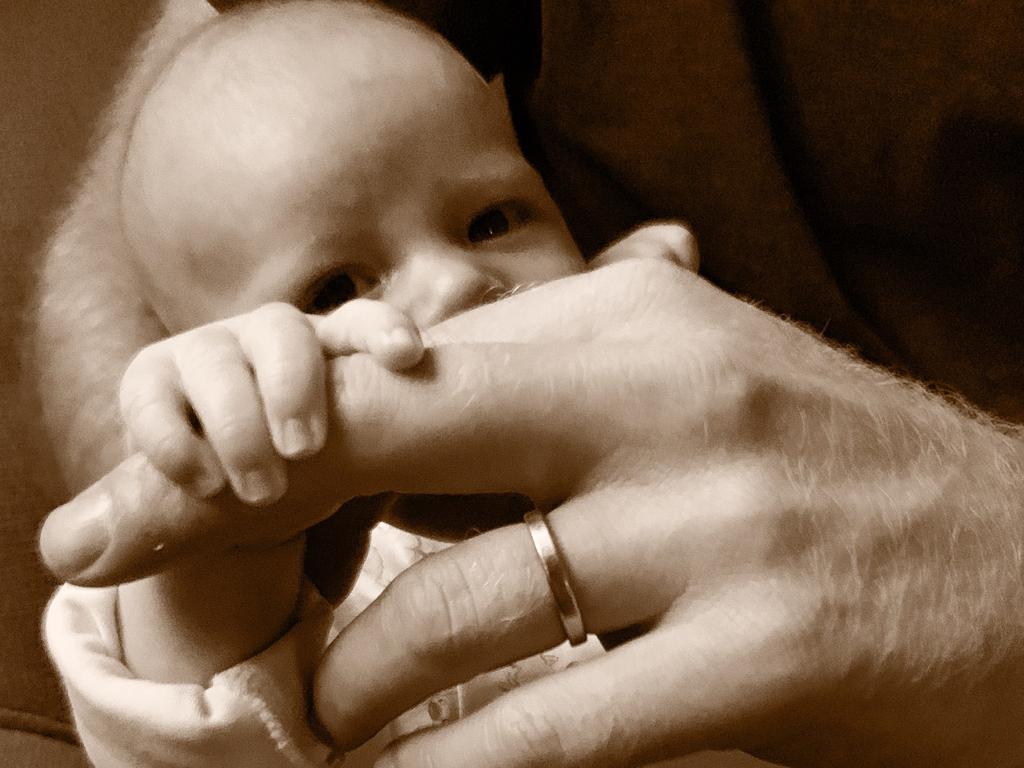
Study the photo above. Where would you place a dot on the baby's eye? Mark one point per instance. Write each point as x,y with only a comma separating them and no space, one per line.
495,222
332,293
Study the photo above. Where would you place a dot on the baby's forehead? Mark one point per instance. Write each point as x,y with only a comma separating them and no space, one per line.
264,110
328,46
301,72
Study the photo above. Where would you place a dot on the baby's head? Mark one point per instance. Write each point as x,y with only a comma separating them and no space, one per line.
310,152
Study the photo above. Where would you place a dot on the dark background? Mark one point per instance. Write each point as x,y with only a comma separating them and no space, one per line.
58,64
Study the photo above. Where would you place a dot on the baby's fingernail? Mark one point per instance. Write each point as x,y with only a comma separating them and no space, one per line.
260,486
386,341
397,349
209,482
75,535
301,437
401,337
296,438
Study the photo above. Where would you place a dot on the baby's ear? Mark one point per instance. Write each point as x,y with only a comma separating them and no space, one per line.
497,84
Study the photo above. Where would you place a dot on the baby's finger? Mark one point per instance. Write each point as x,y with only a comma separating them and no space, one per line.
156,418
289,367
218,382
365,325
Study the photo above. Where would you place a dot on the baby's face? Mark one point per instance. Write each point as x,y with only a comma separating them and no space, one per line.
405,185
428,206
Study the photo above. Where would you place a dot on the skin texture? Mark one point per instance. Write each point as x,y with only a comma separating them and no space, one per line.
820,562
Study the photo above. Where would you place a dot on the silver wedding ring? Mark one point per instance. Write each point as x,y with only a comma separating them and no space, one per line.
558,577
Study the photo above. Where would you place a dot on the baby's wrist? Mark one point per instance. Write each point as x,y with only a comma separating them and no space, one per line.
206,615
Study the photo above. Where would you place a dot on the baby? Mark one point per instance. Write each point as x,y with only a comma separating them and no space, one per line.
315,154
305,179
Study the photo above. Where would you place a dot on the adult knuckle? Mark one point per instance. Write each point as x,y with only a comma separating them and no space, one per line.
652,271
661,284
681,242
739,388
679,233
746,402
437,598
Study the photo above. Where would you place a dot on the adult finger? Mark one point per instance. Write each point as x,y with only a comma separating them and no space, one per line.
693,683
575,308
218,382
365,325
669,241
158,422
134,522
289,367
477,606
129,523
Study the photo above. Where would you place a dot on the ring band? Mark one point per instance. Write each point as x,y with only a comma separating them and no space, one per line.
558,577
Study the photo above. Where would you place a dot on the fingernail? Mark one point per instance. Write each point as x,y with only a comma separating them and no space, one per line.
385,342
296,438
400,337
260,486
397,349
208,482
75,535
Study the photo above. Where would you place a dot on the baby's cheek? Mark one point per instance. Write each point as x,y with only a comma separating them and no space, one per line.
550,259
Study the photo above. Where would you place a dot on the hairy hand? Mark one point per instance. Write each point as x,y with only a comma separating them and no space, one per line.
802,556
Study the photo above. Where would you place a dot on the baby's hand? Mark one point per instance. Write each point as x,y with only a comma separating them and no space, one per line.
233,399
667,240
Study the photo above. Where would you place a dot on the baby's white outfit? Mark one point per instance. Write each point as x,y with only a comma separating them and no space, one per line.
254,714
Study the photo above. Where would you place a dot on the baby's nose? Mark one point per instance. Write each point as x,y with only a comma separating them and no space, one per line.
431,287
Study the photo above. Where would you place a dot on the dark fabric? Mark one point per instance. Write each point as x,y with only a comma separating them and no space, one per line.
856,166
912,118
22,749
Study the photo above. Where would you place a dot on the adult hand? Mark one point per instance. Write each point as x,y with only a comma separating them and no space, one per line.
816,562
794,554
133,522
